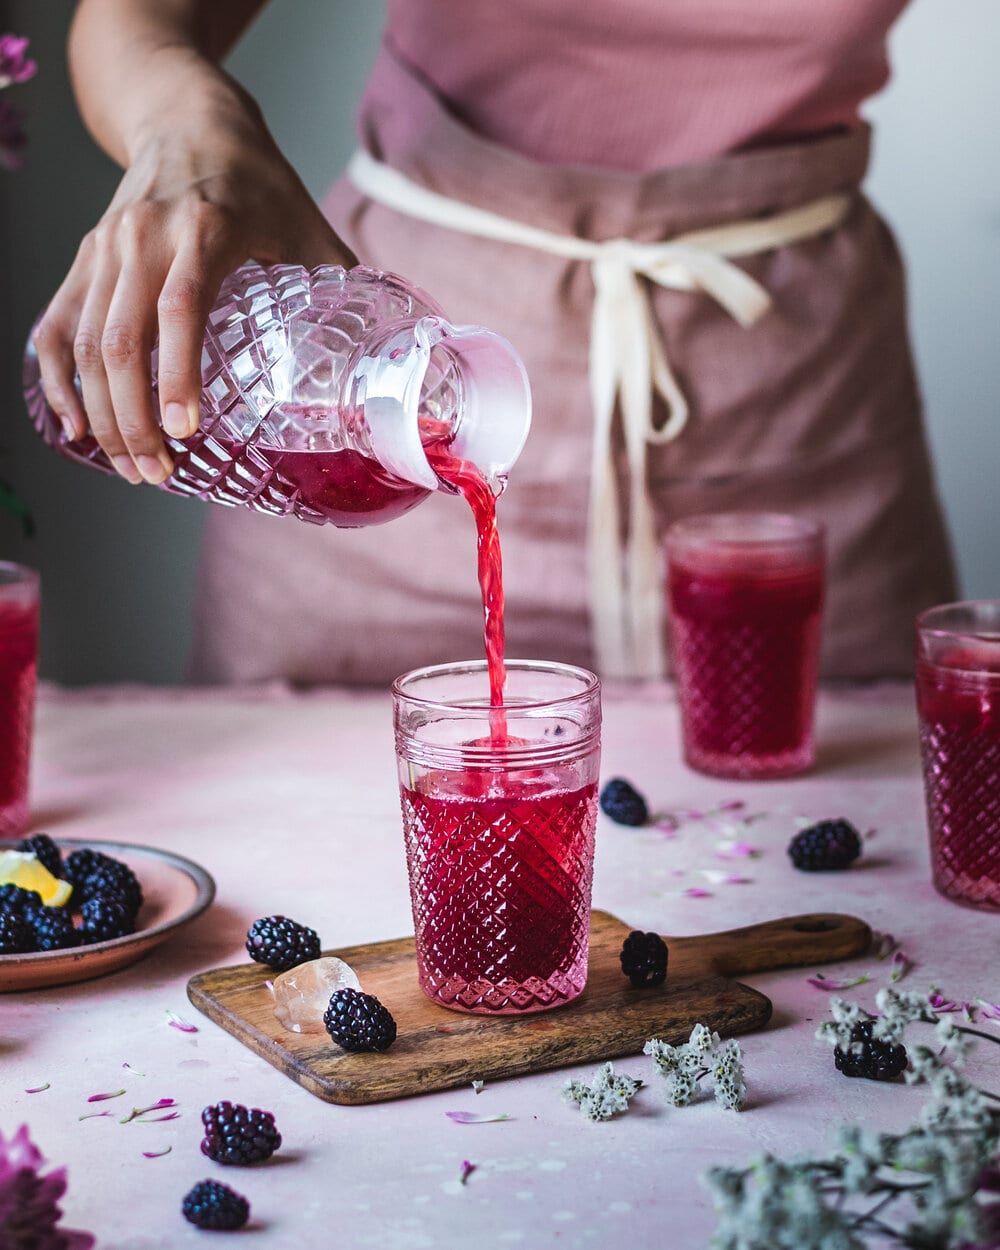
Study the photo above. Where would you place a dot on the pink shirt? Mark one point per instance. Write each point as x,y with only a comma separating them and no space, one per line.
641,84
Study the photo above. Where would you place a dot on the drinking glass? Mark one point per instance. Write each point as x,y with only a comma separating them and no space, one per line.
499,810
958,704
746,597
18,668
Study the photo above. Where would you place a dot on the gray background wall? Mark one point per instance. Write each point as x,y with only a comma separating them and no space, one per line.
118,563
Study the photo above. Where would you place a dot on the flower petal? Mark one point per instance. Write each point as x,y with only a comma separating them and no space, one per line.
820,982
470,1117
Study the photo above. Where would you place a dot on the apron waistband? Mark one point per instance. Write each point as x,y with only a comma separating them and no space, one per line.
627,365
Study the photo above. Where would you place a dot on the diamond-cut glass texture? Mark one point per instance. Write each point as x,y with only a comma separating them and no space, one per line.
501,897
18,666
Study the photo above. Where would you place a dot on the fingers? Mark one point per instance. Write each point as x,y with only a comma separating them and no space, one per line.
53,340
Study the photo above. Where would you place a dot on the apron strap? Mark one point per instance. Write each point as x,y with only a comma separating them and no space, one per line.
627,365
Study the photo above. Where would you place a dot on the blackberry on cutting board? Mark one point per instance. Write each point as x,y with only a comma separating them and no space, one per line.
829,845
358,1021
105,917
238,1135
44,850
644,958
282,943
210,1204
875,1059
623,803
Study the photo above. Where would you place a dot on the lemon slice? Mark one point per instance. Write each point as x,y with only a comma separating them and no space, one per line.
23,869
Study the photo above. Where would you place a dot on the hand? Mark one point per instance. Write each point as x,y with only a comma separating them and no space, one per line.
201,195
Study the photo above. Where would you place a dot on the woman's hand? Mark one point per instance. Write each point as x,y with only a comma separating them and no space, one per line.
205,189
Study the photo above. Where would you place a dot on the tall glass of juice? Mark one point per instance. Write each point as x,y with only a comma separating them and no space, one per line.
746,598
18,667
958,704
499,809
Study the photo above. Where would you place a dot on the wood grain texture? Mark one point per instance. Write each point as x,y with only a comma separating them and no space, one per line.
440,1049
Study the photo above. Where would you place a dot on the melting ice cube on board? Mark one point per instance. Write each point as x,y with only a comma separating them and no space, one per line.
302,994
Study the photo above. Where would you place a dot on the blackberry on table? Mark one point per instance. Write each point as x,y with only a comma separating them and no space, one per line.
54,930
281,943
358,1021
875,1059
45,851
17,899
238,1135
826,846
112,878
210,1204
79,864
103,918
644,958
17,937
623,803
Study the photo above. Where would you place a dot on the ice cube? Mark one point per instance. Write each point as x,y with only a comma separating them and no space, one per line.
301,995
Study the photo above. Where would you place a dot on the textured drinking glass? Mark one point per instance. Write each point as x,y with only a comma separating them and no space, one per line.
499,809
18,668
958,703
746,597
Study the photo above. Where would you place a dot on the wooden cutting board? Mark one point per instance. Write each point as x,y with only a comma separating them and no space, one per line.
441,1049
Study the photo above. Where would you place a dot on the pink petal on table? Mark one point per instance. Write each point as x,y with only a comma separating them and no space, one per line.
990,1010
736,850
732,805
695,891
901,965
39,1089
156,1106
156,1154
176,1022
467,1170
157,1119
821,982
93,1115
134,1071
943,1005
116,1093
720,876
667,825
470,1117
883,945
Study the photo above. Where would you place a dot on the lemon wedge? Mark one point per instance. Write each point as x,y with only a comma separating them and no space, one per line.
23,869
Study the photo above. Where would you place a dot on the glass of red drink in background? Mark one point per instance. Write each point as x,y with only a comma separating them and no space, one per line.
18,668
499,809
958,704
746,598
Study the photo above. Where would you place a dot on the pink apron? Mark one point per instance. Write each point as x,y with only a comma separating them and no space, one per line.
812,409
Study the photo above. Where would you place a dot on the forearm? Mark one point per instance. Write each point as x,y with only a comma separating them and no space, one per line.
135,63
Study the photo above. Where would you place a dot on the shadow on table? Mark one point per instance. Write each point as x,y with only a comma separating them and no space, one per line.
839,751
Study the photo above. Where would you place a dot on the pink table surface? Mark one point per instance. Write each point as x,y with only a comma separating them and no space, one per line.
290,802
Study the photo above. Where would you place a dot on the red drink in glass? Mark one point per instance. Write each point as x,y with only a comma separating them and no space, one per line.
746,596
499,831
958,703
18,668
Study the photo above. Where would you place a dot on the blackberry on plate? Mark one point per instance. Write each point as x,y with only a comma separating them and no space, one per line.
826,846
103,918
112,878
623,803
236,1134
358,1021
44,850
644,958
17,937
281,943
79,864
54,929
875,1059
210,1204
16,898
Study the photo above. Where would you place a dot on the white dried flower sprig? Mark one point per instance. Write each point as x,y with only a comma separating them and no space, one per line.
608,1094
703,1055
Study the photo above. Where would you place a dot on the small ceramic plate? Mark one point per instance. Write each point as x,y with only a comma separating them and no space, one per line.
175,891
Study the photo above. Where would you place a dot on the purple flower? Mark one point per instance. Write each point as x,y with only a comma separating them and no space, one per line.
28,1210
13,137
14,65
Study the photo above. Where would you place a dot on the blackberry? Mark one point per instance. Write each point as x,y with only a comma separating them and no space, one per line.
78,865
112,878
54,929
103,918
358,1021
234,1134
876,1059
825,846
17,899
623,803
210,1204
17,937
45,851
281,943
644,959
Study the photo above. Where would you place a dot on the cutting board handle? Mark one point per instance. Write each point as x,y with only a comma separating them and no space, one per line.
794,941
